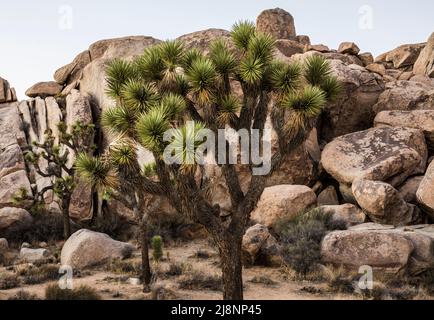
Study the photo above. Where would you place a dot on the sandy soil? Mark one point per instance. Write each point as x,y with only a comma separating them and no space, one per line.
109,285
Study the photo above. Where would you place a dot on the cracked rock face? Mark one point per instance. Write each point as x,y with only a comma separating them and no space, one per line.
409,249
417,119
353,109
370,247
406,95
425,192
424,64
385,154
13,176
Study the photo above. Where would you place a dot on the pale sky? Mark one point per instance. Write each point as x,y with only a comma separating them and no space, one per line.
37,37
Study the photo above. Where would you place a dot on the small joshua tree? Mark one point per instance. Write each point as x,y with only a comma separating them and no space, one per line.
59,167
157,247
119,176
168,87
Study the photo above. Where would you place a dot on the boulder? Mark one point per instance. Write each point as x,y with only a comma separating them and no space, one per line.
11,160
253,241
328,197
392,73
300,167
260,247
345,58
202,39
318,47
347,213
276,22
388,154
425,192
409,188
86,248
7,94
422,79
72,71
78,108
11,126
44,89
11,185
405,95
34,255
284,201
384,204
405,55
352,111
417,119
93,81
13,220
348,48
375,248
366,58
424,64
421,238
303,39
406,76
377,68
289,47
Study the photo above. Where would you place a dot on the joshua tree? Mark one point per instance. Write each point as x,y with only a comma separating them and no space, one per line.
168,86
56,154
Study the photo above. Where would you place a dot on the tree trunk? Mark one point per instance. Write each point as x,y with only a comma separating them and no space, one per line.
146,268
66,223
232,268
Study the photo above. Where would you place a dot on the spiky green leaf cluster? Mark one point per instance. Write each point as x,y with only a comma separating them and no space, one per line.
222,57
118,73
284,77
151,128
95,171
229,105
122,152
202,76
318,72
173,105
138,95
120,119
241,34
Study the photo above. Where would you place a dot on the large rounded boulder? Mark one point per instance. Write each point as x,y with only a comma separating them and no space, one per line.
276,22
86,248
284,201
388,154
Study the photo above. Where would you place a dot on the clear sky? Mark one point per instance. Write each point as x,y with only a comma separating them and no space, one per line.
37,37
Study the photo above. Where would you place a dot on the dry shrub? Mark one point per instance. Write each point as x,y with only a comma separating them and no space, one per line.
37,275
198,280
129,267
176,269
264,280
53,292
9,281
23,295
